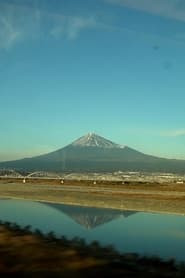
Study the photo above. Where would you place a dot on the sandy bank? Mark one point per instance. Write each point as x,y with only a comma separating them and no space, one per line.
126,199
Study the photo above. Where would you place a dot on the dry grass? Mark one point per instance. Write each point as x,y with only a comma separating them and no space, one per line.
162,198
23,252
102,184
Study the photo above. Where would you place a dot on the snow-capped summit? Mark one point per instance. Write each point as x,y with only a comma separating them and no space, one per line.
94,140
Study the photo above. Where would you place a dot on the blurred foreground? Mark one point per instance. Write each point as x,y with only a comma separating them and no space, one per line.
31,254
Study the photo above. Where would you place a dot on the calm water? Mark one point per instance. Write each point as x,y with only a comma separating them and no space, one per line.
144,233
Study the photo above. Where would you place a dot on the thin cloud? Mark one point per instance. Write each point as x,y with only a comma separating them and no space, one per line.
27,22
174,133
71,26
174,9
167,8
21,22
17,23
9,33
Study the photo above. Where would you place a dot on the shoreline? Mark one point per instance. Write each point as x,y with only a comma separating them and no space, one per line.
30,252
86,205
131,199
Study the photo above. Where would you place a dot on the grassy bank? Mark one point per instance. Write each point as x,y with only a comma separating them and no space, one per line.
32,254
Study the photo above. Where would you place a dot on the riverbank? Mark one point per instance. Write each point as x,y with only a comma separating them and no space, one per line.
28,253
163,199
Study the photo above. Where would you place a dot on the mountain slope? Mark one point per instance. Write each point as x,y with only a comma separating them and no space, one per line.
93,153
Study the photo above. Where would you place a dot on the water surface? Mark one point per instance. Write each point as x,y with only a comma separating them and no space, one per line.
128,231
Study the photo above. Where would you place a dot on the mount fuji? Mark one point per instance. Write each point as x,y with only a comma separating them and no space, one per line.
89,217
93,153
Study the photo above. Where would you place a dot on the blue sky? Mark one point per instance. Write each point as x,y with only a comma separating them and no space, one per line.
113,67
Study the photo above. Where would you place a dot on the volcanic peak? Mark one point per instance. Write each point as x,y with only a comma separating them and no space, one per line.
94,140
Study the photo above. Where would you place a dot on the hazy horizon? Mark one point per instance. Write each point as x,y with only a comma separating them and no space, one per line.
29,155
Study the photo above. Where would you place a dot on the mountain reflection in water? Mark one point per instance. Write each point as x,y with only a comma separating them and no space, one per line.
142,233
90,217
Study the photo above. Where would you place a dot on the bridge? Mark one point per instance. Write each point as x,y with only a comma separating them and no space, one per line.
13,173
44,175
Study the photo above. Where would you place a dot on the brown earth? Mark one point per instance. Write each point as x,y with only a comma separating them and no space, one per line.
30,254
165,198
